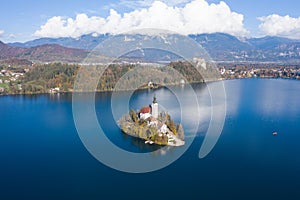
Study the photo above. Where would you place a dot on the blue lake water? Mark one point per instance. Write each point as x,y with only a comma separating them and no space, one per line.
42,157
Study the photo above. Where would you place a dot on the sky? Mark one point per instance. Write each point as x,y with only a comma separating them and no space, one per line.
22,20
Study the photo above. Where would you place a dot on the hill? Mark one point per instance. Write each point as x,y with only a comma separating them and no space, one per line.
54,53
42,53
7,51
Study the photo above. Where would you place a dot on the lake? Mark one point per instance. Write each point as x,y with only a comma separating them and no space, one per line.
42,156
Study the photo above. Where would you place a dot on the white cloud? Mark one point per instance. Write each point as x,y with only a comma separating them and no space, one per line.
60,27
136,4
194,17
283,26
175,2
148,3
1,33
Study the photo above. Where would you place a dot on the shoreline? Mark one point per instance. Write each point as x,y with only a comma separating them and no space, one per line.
178,142
140,89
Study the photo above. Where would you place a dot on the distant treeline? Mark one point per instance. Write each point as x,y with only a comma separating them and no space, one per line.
41,78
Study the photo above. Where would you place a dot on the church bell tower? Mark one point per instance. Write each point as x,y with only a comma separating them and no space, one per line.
154,107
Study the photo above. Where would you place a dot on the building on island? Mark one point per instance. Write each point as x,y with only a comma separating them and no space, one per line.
145,113
150,111
154,107
153,127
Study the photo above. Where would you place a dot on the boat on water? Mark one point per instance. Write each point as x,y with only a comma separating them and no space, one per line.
275,133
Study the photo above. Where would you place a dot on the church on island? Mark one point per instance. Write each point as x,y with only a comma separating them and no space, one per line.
150,111
152,126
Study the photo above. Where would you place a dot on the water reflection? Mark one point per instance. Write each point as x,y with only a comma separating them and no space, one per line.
276,102
233,96
265,98
140,144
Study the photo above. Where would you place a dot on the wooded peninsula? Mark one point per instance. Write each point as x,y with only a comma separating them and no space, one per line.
60,77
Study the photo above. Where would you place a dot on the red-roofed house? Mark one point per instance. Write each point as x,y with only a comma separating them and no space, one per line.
145,113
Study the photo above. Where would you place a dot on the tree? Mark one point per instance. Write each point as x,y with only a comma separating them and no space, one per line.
180,132
170,123
172,126
133,115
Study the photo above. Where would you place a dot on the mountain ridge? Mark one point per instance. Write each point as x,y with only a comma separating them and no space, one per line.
220,46
42,53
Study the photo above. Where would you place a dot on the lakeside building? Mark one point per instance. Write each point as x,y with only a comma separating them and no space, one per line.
150,111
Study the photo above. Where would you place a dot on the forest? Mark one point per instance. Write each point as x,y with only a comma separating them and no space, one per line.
40,78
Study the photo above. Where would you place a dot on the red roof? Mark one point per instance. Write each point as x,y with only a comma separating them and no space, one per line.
145,110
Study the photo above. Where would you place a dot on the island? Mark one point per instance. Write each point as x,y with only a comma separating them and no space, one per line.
153,127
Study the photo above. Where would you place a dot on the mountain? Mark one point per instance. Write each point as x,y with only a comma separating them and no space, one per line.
223,47
54,52
220,41
86,42
43,53
7,51
276,49
220,46
269,43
